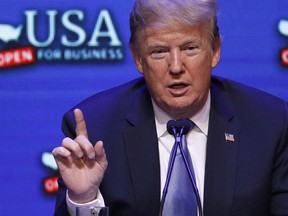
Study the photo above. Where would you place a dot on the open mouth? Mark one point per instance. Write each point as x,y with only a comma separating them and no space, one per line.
178,89
178,86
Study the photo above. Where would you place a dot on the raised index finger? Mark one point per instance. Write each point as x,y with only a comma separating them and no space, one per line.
80,123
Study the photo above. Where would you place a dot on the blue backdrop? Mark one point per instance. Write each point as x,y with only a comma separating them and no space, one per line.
55,53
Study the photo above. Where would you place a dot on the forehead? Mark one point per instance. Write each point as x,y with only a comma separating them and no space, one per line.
151,35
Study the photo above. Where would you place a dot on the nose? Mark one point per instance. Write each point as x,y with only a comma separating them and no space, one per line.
175,62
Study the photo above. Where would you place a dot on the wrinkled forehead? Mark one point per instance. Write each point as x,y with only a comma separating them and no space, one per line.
160,31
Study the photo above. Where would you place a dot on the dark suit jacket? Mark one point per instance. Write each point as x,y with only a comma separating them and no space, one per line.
247,177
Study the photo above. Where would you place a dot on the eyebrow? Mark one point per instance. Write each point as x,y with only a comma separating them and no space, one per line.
149,48
161,44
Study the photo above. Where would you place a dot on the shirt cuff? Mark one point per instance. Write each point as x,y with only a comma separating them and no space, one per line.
84,208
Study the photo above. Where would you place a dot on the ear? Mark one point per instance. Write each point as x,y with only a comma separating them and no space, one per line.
137,59
216,52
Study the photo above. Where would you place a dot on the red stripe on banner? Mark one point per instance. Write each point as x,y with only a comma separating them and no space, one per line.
20,56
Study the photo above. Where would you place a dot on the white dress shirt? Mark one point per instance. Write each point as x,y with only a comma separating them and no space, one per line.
196,141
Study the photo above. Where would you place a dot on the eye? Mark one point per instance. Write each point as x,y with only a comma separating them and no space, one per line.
191,49
158,53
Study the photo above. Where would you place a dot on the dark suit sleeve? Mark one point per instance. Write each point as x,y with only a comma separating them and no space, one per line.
279,200
61,206
68,128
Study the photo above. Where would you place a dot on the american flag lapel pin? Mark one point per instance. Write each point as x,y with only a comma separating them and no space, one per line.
229,137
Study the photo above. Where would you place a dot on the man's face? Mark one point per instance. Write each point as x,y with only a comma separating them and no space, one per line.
177,67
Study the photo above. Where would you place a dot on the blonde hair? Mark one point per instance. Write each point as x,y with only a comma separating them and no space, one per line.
172,13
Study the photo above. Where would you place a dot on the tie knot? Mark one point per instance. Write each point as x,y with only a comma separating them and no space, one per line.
179,127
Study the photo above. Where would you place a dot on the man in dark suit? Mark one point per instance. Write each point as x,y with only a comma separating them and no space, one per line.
240,150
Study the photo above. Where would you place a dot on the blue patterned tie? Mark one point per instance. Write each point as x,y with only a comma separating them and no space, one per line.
180,199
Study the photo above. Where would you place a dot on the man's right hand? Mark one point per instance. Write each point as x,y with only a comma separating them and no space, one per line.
81,165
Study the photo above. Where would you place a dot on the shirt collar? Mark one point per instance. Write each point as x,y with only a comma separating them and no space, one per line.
201,118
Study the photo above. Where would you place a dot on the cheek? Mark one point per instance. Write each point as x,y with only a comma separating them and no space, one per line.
155,74
205,63
155,69
200,72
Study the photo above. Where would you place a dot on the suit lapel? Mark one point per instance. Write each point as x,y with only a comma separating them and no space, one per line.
142,153
221,157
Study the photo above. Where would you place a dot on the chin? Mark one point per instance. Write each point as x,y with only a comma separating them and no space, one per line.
184,109
179,111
